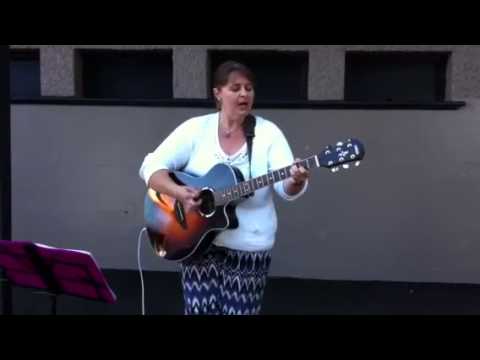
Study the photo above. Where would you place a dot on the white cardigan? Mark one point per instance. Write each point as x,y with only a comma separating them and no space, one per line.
194,148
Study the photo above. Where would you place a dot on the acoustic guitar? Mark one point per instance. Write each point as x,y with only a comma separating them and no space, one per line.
178,236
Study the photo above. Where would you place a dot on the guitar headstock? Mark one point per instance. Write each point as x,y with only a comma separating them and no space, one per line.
341,155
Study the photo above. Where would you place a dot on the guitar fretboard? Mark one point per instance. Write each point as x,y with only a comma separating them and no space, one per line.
247,188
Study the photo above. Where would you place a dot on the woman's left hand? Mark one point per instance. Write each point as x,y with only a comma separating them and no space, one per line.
299,174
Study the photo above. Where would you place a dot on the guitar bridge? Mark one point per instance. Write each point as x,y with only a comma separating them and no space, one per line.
180,215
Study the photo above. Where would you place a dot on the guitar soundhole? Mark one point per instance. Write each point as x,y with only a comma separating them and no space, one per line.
207,208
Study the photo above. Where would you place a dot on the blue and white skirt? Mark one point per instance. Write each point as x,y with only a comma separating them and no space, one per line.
225,282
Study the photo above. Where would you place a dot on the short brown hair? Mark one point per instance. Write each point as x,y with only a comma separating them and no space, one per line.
222,74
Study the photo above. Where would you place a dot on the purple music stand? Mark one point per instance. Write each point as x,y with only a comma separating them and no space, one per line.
55,271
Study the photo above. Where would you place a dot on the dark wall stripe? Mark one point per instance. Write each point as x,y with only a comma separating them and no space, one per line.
195,103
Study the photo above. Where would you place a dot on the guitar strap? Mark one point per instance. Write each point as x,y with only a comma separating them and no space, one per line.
249,130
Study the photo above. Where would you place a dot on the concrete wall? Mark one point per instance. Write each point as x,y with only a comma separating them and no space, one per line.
326,74
410,213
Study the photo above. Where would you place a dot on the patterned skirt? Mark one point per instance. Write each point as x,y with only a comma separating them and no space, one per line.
225,282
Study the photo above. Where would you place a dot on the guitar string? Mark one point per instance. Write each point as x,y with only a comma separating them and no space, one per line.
259,182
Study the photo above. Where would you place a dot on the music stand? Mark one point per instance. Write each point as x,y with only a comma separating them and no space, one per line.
55,271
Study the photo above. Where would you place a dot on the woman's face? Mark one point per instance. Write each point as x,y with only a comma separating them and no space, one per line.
237,96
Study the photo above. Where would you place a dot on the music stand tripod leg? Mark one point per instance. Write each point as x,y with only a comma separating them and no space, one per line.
6,295
53,299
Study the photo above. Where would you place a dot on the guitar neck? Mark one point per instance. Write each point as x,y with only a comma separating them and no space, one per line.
246,188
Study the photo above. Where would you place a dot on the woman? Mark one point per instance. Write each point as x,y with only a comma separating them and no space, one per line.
230,278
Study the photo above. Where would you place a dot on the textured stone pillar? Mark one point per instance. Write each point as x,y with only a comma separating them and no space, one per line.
57,69
190,72
327,73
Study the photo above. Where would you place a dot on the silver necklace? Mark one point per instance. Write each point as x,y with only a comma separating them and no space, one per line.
227,133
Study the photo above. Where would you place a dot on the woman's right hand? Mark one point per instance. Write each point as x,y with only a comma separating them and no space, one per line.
189,197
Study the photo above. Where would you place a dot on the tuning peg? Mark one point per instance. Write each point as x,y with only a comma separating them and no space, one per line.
357,164
335,170
346,166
